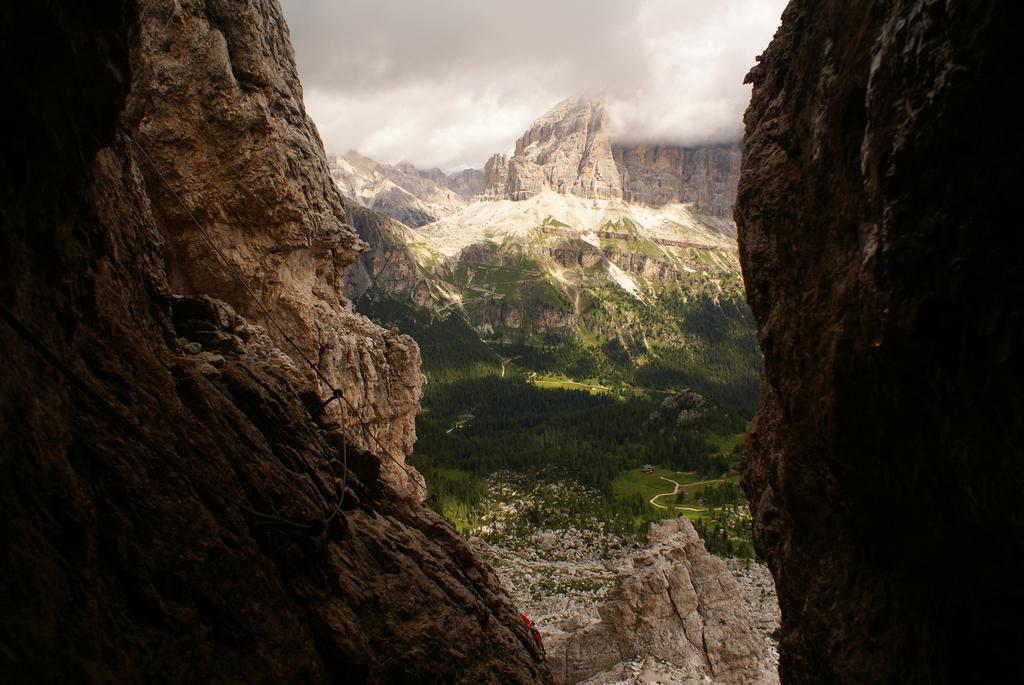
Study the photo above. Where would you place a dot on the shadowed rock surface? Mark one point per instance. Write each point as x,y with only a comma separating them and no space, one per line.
216,104
164,501
884,467
388,264
705,176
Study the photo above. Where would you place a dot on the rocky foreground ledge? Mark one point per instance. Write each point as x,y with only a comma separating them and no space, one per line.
668,613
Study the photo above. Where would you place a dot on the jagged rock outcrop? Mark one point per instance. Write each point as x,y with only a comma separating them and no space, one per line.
167,494
496,177
468,183
264,192
568,151
884,466
704,176
679,604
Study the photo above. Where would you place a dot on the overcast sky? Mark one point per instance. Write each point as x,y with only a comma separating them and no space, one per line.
449,82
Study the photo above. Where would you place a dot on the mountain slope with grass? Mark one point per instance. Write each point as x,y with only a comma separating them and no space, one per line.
583,289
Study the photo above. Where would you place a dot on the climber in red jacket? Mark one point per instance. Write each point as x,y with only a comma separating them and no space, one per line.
533,631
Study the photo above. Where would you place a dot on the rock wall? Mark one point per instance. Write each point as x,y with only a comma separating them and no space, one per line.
168,497
567,150
678,604
216,104
705,176
570,150
468,183
400,191
496,177
884,467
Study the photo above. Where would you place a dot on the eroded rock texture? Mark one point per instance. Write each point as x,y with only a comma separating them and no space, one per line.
216,104
570,150
704,176
877,233
167,500
401,191
567,150
678,604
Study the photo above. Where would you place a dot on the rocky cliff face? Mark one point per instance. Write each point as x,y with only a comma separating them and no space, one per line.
884,467
468,183
678,604
496,177
388,264
568,151
223,123
705,177
170,486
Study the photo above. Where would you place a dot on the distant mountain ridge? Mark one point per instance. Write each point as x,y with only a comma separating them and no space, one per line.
568,150
403,192
553,246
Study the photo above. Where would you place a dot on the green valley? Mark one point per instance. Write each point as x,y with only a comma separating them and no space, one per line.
563,410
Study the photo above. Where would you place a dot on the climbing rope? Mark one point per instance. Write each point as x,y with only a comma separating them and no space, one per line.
344,468
336,393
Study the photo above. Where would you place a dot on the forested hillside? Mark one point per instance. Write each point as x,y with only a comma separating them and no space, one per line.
492,408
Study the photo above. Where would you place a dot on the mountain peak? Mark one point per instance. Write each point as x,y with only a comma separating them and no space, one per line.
568,150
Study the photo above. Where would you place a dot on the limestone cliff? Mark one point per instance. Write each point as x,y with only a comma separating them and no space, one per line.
678,604
704,176
567,150
216,104
570,150
388,264
171,495
468,183
886,462
496,177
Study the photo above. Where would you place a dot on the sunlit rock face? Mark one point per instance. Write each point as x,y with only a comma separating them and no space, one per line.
407,194
570,150
704,177
567,150
884,467
171,492
677,604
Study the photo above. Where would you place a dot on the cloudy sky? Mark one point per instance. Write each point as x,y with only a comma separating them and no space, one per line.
447,83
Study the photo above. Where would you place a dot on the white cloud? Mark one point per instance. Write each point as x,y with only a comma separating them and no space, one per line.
448,82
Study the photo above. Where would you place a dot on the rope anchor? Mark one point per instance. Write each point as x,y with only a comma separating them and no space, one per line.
335,395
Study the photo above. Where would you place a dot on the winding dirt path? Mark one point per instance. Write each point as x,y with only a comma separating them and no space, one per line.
675,491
